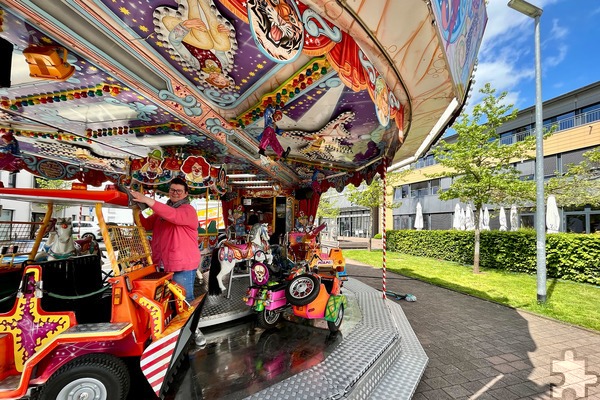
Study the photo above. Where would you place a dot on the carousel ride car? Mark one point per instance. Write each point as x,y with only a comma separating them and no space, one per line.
311,287
70,325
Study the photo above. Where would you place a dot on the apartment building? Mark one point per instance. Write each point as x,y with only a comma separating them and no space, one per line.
576,118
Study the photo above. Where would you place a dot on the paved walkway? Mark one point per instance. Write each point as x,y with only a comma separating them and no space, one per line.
481,350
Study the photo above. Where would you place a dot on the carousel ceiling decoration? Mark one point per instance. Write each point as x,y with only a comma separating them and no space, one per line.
105,84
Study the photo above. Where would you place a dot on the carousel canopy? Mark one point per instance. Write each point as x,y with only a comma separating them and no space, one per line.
149,90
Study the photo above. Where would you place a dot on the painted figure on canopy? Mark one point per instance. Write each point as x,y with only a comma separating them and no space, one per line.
196,169
270,133
200,37
152,168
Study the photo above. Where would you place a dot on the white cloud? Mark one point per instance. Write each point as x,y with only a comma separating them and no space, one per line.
554,60
558,32
506,57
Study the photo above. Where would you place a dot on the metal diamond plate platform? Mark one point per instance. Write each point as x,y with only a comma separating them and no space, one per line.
375,355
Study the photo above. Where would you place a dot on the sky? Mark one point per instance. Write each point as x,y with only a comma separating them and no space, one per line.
570,50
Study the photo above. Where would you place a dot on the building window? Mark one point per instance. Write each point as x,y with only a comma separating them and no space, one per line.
419,189
405,191
594,223
12,180
576,223
435,186
6,215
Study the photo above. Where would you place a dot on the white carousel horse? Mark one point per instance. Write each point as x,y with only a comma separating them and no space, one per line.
227,254
61,245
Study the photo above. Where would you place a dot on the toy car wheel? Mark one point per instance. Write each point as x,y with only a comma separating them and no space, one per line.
335,325
93,376
268,319
88,235
302,290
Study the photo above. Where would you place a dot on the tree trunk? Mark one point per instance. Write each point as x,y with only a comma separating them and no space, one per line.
369,230
477,241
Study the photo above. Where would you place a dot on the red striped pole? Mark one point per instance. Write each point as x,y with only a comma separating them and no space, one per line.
384,235
80,217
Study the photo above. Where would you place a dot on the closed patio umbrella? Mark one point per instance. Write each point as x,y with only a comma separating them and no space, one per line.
419,217
469,219
502,218
485,220
514,218
456,220
552,215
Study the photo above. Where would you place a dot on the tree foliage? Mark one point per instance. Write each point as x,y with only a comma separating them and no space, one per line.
372,196
479,163
328,208
53,184
580,184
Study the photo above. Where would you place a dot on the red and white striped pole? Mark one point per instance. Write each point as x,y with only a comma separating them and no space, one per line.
80,217
384,235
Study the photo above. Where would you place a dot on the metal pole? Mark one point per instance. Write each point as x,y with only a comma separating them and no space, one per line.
540,227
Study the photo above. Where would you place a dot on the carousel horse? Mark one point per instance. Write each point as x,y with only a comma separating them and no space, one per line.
61,245
228,253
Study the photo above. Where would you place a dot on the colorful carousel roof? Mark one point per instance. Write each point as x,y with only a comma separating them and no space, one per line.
152,89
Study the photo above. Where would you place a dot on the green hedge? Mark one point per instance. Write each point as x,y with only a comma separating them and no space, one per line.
569,256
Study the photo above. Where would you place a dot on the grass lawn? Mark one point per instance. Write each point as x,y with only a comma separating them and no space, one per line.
574,303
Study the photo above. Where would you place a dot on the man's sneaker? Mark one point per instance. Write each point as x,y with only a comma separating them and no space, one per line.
261,152
286,153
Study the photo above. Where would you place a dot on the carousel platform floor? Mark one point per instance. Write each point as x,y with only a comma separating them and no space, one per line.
376,354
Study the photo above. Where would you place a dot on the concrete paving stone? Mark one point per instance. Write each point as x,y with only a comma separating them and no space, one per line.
465,366
423,387
472,375
527,389
437,394
474,386
505,368
437,382
481,362
456,379
489,371
510,357
510,379
449,369
432,372
503,394
492,382
477,354
521,365
456,391
496,360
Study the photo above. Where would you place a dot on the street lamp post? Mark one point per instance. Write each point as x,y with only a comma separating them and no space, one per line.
535,12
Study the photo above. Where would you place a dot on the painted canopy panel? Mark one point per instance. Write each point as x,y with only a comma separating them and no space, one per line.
340,87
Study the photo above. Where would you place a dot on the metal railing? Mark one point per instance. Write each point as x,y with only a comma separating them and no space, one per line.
562,125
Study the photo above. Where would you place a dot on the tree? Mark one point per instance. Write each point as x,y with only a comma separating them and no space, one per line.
327,209
53,184
580,184
371,196
479,163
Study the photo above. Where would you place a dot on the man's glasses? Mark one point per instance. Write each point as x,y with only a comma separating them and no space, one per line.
176,191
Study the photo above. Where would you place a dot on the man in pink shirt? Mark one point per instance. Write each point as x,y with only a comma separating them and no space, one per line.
174,229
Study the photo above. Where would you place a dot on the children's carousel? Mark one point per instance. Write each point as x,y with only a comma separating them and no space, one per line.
261,106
